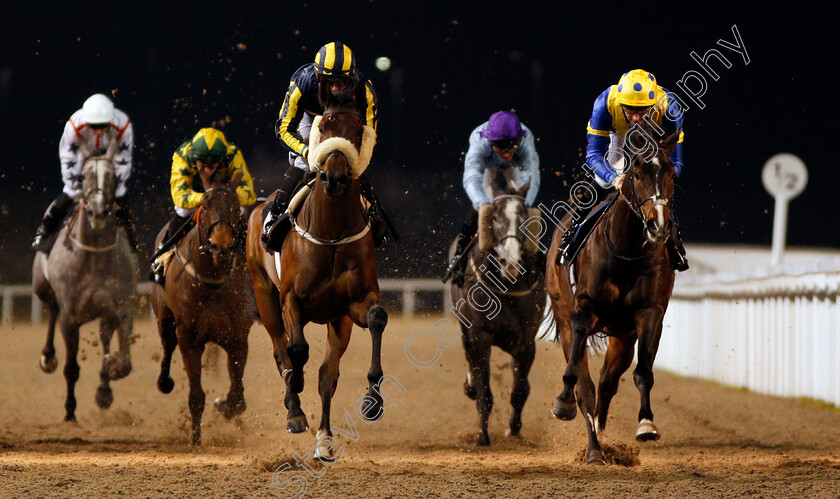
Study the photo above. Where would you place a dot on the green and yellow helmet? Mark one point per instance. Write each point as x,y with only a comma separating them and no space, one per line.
637,88
335,59
208,144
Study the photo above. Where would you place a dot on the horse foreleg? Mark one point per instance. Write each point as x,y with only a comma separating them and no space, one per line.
617,359
271,314
338,337
234,403
297,349
169,340
580,325
48,362
120,367
192,365
649,329
70,332
521,366
104,395
368,313
477,349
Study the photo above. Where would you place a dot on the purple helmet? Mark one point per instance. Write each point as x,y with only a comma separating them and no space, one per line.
503,125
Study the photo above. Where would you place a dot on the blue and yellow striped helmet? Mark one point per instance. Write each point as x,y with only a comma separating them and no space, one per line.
637,88
208,144
335,59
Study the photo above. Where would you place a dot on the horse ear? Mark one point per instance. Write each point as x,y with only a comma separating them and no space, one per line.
498,183
523,191
234,181
670,142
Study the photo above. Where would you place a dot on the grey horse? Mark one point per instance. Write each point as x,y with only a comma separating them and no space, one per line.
502,301
89,274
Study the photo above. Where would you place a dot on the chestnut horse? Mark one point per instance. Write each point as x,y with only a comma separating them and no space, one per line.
89,274
326,272
507,273
623,284
206,298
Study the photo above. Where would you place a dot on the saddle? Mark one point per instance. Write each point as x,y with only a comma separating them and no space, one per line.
48,240
584,230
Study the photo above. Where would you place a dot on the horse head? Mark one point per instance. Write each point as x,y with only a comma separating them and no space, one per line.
218,218
98,185
649,184
508,216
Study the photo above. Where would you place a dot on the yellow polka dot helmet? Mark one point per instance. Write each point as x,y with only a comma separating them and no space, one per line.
637,88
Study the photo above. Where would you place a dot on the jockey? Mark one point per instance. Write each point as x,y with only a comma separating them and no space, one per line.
207,151
502,143
636,98
334,67
93,130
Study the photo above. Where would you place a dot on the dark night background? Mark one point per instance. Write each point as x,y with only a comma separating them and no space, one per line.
176,68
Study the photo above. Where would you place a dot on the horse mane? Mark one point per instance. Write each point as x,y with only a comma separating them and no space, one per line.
356,99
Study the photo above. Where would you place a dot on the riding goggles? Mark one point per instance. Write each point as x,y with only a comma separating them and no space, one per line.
506,144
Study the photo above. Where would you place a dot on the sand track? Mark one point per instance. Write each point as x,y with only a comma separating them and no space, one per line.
717,441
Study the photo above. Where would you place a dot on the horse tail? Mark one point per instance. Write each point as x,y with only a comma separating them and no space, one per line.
598,343
548,327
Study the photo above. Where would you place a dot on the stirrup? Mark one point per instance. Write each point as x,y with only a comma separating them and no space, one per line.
276,231
157,274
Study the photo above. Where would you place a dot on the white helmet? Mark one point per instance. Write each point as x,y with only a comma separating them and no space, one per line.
98,109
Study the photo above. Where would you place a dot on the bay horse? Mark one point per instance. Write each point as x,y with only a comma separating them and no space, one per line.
327,270
505,267
89,274
206,298
623,281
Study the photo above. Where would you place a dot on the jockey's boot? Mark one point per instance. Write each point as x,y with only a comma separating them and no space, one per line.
676,251
566,244
158,270
124,218
376,218
458,264
277,224
55,213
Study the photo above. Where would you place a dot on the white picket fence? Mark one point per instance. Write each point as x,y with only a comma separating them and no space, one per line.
774,330
408,289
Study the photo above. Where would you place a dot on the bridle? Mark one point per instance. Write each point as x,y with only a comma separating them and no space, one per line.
189,267
636,208
483,268
109,197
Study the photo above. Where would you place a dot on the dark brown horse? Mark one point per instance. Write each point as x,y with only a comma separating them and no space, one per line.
89,274
206,298
503,271
623,284
326,272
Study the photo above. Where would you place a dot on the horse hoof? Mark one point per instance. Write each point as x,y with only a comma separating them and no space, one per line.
196,439
117,369
513,432
228,410
324,452
469,388
483,440
595,457
647,431
48,365
297,424
70,418
104,397
372,408
564,411
165,385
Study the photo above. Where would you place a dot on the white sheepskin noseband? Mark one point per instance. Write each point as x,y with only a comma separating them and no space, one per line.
320,151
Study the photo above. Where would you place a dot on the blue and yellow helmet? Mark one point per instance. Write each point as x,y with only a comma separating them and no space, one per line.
208,144
335,59
637,88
